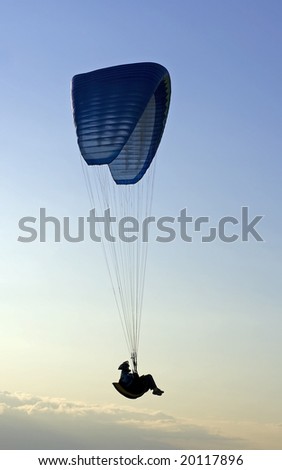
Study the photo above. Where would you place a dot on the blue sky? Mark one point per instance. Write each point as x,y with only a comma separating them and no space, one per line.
211,331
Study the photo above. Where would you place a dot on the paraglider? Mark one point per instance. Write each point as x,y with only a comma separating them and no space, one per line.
120,113
131,385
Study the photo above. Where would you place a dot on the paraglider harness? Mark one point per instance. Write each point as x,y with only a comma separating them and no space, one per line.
126,393
119,387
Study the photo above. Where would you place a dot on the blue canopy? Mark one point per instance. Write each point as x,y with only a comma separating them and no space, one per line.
120,114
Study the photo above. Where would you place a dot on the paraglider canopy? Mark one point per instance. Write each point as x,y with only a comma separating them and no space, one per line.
120,114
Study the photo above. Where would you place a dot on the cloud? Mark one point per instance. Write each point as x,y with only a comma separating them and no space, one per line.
31,422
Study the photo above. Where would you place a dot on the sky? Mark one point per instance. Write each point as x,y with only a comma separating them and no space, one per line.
211,325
